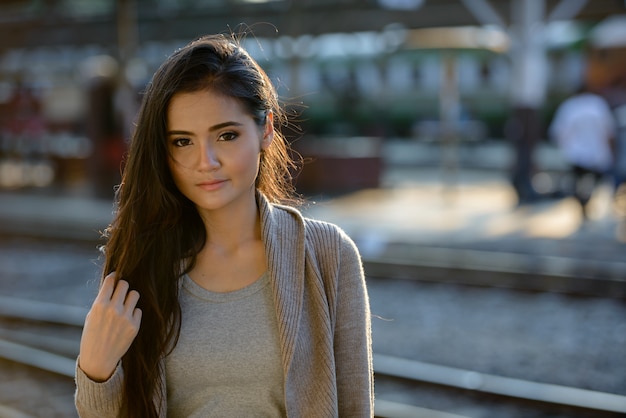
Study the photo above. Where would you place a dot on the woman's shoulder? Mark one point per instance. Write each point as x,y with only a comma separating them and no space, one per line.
312,225
318,226
328,236
315,229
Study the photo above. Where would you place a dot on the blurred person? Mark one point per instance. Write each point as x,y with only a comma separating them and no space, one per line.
105,132
584,130
522,129
215,298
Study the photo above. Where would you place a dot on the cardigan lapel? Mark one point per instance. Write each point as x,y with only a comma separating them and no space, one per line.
283,234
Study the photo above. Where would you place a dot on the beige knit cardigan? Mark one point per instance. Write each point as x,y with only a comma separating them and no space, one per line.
323,317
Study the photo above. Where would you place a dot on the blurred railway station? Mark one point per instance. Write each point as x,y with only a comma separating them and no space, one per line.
424,126
361,73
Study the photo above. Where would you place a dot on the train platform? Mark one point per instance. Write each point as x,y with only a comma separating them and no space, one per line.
421,213
422,219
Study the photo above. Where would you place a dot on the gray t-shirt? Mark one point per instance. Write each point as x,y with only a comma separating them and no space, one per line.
227,360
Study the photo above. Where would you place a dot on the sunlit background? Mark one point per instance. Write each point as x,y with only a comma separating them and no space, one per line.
423,123
394,70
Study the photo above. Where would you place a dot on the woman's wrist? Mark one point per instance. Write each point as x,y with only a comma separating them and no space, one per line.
97,373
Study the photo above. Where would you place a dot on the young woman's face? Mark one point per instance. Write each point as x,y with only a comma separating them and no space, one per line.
214,148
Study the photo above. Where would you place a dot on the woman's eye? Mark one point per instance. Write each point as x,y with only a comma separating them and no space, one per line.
228,136
181,142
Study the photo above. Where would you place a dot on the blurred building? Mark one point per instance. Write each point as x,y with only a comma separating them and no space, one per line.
364,68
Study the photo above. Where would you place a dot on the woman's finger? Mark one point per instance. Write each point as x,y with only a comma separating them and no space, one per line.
131,301
107,288
137,314
120,292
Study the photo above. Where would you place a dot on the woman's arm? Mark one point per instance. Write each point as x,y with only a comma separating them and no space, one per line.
98,399
110,328
353,339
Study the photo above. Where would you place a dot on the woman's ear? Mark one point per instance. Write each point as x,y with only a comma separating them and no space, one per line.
268,130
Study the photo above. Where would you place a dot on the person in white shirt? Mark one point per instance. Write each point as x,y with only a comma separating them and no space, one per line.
584,130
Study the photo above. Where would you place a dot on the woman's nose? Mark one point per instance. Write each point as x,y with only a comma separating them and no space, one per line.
209,159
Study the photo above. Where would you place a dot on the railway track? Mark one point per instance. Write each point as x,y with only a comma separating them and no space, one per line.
46,335
519,271
43,337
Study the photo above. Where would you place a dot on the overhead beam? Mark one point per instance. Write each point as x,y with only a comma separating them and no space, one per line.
566,10
266,23
484,12
274,19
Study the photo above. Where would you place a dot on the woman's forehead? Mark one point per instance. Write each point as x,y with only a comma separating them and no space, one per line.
185,108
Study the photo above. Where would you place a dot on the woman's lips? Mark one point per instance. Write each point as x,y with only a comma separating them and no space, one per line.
211,185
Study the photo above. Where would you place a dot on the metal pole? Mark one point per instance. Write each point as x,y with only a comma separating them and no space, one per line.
449,118
528,57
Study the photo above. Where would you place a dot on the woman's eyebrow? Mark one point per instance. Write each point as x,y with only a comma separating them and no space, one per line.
211,129
224,125
177,132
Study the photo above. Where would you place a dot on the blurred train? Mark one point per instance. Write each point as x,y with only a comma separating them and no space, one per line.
70,108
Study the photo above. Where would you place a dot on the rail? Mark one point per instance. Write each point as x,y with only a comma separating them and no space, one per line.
498,385
42,351
501,269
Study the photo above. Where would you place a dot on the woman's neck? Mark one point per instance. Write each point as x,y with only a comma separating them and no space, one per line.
232,226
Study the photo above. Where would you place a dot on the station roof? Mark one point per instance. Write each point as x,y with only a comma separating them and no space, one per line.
31,23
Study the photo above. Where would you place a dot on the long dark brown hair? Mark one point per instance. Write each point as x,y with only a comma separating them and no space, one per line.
157,232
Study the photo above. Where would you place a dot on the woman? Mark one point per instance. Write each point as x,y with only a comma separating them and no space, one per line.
216,299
